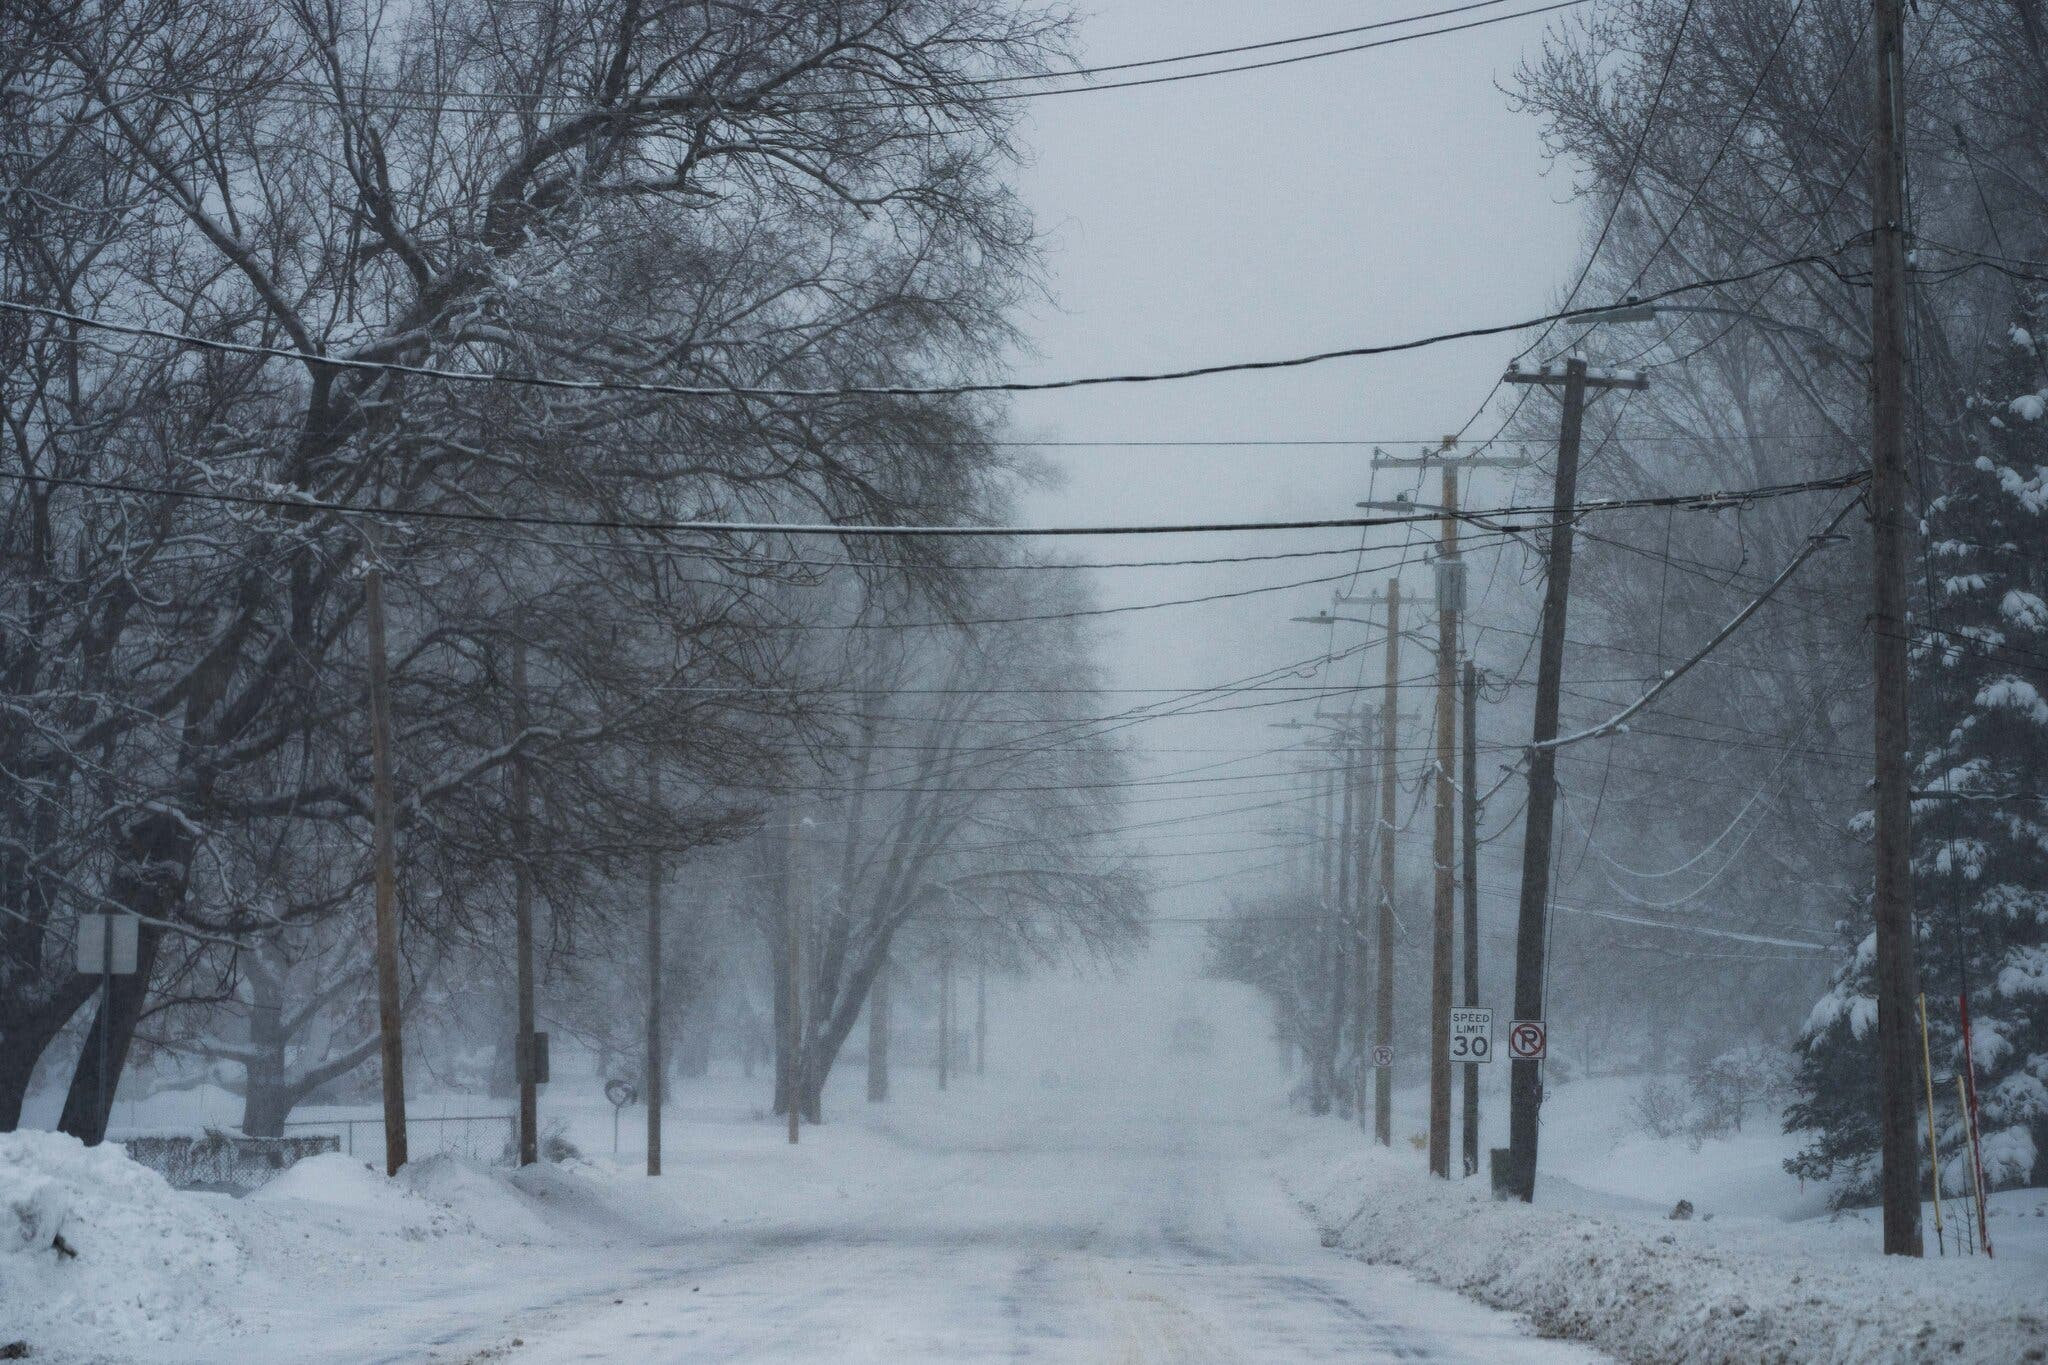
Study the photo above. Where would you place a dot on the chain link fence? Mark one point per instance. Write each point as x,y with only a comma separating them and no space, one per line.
231,1163
223,1162
484,1138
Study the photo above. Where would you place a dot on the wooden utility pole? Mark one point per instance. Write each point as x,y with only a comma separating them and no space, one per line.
389,1012
1342,914
794,923
522,924
1525,1083
1449,589
1383,936
1330,839
1469,775
1893,902
654,1060
1450,594
945,1058
1362,854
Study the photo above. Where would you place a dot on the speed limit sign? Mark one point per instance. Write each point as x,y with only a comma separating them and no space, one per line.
1471,1035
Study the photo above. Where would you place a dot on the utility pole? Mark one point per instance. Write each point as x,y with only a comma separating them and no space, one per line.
945,1013
522,922
1342,915
1469,772
981,1008
795,949
1450,603
1315,886
1383,937
1345,873
653,1077
1450,586
1330,837
1525,1084
1362,851
389,1014
1896,984
1383,944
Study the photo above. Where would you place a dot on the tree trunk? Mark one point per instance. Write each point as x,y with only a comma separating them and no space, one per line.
148,881
18,1056
815,1072
778,973
693,1049
878,1037
86,1106
265,1107
264,1102
25,1036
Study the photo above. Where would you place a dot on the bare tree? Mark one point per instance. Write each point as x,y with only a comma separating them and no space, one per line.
694,196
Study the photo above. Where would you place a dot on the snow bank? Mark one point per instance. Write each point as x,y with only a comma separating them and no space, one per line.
487,1199
437,1196
150,1264
1729,1290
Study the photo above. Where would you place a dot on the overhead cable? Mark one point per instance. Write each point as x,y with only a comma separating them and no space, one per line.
322,360
1619,720
1716,499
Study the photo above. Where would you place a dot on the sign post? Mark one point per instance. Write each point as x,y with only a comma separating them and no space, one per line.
106,949
621,1094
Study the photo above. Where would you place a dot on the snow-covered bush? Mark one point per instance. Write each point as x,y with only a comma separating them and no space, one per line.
1726,1087
1659,1108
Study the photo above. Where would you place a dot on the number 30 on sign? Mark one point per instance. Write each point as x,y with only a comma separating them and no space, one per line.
1471,1034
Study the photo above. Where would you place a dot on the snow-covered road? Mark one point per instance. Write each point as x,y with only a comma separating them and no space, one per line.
1170,1243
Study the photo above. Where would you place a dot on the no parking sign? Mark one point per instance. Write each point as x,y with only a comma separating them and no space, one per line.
1528,1040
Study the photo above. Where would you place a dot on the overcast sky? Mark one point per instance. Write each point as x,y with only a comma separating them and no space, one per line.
1364,198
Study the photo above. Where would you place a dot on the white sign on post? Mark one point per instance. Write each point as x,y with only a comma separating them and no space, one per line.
1528,1040
1471,1031
106,945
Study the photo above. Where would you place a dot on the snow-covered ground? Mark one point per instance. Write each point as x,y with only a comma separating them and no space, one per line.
1730,1289
1063,1223
1095,1198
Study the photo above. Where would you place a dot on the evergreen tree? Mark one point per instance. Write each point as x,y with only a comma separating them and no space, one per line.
1980,815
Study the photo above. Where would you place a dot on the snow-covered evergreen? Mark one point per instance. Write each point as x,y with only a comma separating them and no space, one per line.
1980,817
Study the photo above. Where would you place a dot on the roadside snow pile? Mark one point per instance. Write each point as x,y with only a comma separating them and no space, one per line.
435,1197
140,1262
486,1199
445,1196
1731,1290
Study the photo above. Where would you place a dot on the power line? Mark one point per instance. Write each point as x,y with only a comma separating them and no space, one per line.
436,101
1709,500
713,555
1080,613
321,360
1620,719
